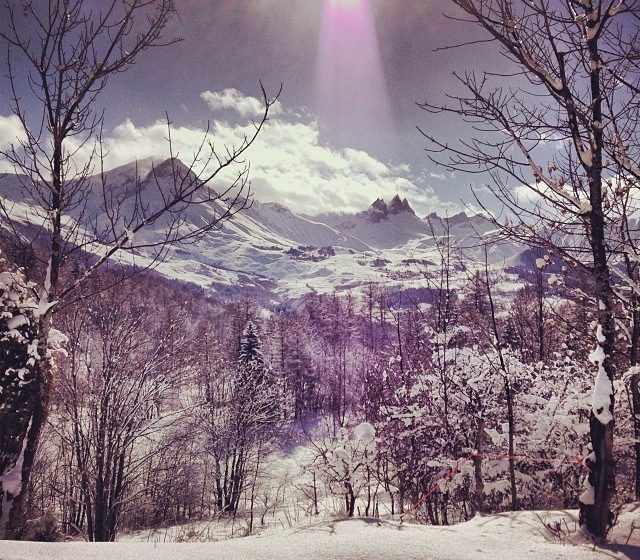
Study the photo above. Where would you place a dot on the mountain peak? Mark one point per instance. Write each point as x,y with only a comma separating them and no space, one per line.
398,205
169,167
456,219
380,210
377,211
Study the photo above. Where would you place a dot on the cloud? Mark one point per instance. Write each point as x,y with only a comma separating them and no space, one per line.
10,131
244,105
289,164
524,193
439,176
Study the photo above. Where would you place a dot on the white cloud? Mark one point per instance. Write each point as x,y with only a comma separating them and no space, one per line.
524,193
244,105
289,164
10,131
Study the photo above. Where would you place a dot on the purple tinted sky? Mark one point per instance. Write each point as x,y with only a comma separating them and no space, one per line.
234,43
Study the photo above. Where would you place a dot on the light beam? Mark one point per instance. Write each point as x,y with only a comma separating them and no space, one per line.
352,97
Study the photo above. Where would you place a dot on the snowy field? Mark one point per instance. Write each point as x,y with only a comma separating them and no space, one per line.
497,537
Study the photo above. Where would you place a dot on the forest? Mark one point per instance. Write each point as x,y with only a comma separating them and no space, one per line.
171,406
154,373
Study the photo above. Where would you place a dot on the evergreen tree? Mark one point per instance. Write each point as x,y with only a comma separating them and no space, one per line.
259,389
250,357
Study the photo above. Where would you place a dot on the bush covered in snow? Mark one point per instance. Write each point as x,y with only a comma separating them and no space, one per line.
45,528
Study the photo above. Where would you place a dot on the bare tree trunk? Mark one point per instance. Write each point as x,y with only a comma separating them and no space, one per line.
477,467
350,499
598,516
253,491
634,384
507,386
315,495
511,424
540,313
635,398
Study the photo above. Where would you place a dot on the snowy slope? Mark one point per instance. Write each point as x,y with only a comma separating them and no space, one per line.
383,225
512,536
272,251
300,230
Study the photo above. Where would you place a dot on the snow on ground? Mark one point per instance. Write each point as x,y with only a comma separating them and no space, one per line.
268,250
509,536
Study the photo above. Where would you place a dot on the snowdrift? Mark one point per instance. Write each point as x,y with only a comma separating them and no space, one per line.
509,536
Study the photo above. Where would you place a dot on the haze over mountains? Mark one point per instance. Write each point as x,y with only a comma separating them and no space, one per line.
269,250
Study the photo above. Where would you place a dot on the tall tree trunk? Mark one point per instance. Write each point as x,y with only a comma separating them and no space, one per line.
22,418
635,401
634,360
477,467
512,462
350,499
597,516
507,385
540,313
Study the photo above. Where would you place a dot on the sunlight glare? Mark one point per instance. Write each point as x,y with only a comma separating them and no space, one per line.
351,90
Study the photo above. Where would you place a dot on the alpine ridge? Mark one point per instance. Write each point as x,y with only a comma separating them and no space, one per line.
272,251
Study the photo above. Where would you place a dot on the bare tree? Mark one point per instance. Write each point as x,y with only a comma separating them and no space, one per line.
496,340
237,406
572,83
60,55
344,461
118,398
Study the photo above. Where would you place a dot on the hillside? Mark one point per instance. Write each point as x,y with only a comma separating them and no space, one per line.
269,251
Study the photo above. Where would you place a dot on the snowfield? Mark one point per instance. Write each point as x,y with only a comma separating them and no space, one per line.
270,252
512,536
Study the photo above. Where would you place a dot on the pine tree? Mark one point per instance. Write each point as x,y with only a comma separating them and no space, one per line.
258,386
250,357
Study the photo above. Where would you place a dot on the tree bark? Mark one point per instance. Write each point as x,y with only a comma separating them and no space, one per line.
477,467
512,462
597,516
635,398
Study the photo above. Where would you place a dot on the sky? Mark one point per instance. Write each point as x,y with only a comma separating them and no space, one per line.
344,130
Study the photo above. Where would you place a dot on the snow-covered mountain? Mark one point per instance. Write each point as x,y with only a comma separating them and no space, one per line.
267,248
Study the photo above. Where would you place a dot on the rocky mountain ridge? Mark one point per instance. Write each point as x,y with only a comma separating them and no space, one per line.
267,248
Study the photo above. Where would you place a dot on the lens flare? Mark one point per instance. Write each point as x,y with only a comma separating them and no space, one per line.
352,96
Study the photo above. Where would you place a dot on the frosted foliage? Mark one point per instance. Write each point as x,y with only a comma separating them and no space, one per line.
366,433
551,416
585,207
20,311
45,528
347,460
251,345
22,349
